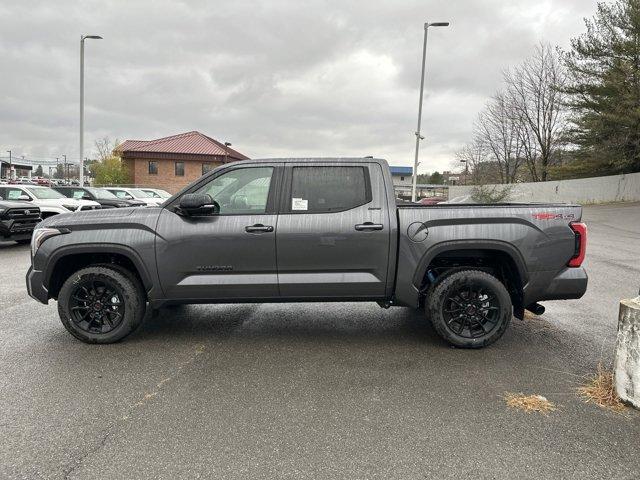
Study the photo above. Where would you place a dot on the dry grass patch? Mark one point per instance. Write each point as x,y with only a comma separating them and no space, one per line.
529,403
600,389
537,321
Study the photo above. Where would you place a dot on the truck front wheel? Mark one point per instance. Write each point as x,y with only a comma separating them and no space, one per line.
99,304
469,308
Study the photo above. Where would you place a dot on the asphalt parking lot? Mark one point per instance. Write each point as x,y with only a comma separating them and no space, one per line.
316,390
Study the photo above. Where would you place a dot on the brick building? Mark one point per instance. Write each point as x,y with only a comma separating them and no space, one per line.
172,162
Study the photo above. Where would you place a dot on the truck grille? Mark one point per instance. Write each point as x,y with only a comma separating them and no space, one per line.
22,213
22,220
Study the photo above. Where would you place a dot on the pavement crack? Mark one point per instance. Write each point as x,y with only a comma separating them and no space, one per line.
77,464
148,396
156,390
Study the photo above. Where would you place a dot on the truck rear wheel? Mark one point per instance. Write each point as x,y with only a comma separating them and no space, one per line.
469,308
100,304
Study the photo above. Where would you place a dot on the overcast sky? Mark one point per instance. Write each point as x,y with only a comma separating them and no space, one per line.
275,78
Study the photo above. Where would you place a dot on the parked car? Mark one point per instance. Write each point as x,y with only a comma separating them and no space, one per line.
17,220
104,197
309,230
48,200
461,199
135,194
432,200
157,193
41,181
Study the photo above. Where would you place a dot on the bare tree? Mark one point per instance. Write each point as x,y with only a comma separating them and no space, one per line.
534,93
105,148
498,129
474,157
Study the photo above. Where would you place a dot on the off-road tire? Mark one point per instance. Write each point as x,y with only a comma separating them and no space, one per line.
128,286
436,303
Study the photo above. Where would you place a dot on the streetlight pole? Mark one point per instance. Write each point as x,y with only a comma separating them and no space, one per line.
466,170
65,171
418,135
82,39
226,151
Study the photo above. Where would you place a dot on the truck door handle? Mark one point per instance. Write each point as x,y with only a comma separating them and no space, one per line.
368,226
258,228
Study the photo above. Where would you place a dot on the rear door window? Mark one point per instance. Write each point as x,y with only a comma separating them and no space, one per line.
328,189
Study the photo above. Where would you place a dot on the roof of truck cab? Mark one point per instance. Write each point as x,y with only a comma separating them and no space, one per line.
314,160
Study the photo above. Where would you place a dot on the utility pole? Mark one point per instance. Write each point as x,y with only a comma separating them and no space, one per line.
10,166
418,135
65,170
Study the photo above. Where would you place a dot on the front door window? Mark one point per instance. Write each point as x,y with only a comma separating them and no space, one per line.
243,191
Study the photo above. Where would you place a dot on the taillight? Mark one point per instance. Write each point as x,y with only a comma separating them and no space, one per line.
580,232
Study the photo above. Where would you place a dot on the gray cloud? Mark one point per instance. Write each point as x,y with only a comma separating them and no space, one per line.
275,78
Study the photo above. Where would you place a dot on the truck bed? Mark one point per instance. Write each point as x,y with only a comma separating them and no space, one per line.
536,236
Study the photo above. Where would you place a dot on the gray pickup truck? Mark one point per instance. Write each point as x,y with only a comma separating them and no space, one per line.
312,230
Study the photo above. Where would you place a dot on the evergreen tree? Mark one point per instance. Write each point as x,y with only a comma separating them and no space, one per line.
604,88
436,178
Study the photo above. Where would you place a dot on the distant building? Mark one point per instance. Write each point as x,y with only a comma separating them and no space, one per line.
19,169
402,176
173,162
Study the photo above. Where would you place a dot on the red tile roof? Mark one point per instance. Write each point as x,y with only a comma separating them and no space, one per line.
190,143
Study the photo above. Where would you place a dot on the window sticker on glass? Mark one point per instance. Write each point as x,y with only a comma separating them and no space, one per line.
299,204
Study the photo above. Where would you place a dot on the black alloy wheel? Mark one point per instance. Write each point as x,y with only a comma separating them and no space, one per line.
471,311
102,303
469,308
97,306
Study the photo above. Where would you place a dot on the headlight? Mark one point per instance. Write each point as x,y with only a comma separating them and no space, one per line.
40,235
71,208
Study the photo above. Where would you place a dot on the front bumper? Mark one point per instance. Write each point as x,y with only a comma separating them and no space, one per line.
35,286
16,230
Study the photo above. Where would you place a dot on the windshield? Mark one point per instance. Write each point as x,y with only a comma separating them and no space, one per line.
139,193
45,193
157,193
101,194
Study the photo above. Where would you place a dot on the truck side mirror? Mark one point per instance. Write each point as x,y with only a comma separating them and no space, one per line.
24,198
198,204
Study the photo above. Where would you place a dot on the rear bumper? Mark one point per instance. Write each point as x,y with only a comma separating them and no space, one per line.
35,286
568,284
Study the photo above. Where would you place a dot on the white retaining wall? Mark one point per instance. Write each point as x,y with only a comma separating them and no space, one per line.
614,188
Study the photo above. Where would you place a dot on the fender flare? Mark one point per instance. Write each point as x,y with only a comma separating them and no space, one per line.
70,250
442,247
